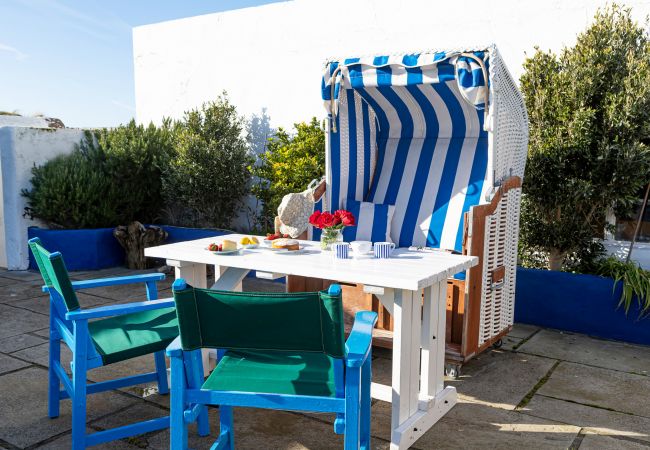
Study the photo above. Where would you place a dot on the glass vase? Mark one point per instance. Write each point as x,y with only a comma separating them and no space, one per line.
330,236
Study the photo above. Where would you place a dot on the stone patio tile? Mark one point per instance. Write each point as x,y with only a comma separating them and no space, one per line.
522,330
21,275
592,420
140,411
39,354
251,284
41,304
126,293
499,378
598,442
133,366
478,426
510,342
20,290
604,388
7,364
24,408
65,442
266,429
18,321
101,273
19,342
585,350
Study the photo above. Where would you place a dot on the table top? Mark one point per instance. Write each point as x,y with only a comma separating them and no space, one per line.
405,269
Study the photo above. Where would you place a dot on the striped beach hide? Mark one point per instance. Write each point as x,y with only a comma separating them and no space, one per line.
410,131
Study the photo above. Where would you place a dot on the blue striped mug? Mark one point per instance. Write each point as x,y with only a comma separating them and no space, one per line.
383,249
341,250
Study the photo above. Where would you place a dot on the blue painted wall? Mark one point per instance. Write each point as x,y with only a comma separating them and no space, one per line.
580,303
93,249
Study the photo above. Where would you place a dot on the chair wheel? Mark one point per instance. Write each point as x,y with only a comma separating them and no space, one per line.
498,344
452,371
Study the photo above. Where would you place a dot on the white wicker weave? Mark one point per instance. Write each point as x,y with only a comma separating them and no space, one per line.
509,146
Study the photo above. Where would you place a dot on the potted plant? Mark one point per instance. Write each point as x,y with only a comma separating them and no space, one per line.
331,226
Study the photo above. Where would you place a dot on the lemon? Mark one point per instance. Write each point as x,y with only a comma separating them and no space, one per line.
245,241
254,240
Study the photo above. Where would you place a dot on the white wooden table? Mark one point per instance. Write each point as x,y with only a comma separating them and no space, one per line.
418,395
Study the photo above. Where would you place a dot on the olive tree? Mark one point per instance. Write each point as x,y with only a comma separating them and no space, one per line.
589,110
208,177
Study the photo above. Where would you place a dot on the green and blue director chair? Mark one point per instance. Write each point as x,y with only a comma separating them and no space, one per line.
277,351
121,332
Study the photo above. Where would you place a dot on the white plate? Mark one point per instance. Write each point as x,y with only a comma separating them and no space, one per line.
250,245
284,251
227,252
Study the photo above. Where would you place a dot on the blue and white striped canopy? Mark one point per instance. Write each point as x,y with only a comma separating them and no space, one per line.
409,131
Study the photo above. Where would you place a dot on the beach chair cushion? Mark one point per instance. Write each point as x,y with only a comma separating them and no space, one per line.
128,336
373,222
293,373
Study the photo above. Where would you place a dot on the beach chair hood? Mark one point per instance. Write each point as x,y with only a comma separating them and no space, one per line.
433,133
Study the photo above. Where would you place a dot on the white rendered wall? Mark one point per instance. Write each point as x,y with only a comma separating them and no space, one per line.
20,149
272,56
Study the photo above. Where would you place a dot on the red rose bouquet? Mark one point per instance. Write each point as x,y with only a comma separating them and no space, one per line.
331,225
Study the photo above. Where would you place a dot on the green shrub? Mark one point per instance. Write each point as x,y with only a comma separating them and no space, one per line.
208,177
136,158
74,191
111,178
288,165
589,112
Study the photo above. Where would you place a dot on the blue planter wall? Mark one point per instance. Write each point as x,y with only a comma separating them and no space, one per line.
93,249
89,249
580,303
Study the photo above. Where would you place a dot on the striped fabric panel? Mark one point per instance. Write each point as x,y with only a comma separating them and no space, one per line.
431,154
432,161
350,172
373,222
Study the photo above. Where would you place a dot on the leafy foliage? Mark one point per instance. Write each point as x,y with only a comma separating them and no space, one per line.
288,165
636,282
136,159
589,112
208,176
73,191
112,177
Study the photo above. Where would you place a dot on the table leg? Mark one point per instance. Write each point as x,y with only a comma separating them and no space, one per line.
194,274
406,360
434,400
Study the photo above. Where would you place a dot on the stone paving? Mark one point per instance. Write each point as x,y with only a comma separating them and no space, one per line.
542,389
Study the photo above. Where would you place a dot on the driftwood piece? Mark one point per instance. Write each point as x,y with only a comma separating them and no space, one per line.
134,238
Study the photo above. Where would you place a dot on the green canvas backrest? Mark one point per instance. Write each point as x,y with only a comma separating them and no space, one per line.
308,322
54,273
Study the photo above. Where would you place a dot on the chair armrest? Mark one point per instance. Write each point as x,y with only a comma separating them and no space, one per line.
175,349
359,343
119,310
114,281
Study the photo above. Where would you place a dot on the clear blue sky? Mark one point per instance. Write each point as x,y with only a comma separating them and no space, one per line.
74,59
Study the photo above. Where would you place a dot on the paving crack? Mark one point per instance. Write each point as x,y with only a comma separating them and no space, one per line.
524,401
590,405
524,340
577,441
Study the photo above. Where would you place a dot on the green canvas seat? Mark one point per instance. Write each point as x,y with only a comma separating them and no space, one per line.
131,335
275,351
99,336
293,373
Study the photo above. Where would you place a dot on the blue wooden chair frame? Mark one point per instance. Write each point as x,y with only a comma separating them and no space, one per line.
71,327
351,404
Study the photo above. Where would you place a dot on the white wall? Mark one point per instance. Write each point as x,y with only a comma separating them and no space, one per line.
20,149
272,56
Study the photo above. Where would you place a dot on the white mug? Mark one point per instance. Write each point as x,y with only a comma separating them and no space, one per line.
383,249
340,250
361,247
